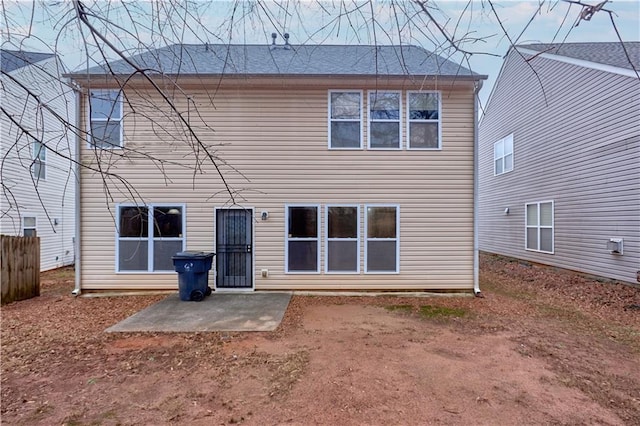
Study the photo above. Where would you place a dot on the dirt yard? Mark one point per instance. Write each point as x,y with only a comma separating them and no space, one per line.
542,347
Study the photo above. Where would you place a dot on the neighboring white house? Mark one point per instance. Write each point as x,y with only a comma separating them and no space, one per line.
36,147
349,167
560,158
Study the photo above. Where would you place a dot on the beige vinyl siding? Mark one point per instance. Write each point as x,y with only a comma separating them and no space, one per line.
582,151
274,152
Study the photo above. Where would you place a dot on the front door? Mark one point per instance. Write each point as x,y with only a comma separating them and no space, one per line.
233,249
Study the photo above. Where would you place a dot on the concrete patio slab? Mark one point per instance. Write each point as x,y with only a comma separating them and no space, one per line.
255,311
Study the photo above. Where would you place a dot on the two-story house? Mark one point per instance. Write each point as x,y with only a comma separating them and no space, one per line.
301,166
37,147
560,158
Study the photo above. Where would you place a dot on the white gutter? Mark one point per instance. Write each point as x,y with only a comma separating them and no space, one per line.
77,289
476,256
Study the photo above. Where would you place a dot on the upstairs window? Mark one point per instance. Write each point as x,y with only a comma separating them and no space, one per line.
303,244
345,120
423,120
29,226
539,227
39,164
503,155
149,236
105,110
384,120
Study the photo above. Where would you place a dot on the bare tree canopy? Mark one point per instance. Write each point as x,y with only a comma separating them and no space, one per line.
86,34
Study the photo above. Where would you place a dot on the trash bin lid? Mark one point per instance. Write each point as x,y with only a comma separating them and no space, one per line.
191,254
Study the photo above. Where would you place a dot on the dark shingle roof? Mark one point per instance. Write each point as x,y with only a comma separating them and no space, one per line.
320,60
11,60
603,53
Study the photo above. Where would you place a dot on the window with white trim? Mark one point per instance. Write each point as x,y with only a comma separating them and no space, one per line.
345,119
105,111
39,161
423,120
29,226
302,239
384,120
149,236
342,248
382,225
539,227
503,155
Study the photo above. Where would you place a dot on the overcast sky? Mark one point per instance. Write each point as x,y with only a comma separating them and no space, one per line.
44,26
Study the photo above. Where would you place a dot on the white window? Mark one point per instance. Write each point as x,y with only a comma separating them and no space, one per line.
384,120
105,111
39,163
303,243
29,226
345,119
423,120
382,228
539,227
343,235
503,155
149,236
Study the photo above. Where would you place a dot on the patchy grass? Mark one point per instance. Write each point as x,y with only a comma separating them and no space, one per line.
399,308
434,312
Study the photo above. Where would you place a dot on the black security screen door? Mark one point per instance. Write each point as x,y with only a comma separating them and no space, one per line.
233,249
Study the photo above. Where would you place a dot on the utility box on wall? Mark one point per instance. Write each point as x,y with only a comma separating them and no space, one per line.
615,245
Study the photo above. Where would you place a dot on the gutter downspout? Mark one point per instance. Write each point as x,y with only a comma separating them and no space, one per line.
77,289
476,245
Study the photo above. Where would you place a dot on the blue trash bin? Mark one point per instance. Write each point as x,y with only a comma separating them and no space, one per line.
193,274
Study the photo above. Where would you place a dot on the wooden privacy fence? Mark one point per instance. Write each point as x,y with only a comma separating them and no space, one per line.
20,260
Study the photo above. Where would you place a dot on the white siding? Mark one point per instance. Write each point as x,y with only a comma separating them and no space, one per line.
52,200
272,146
581,149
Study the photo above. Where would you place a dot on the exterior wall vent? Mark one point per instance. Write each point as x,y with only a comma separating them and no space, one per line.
615,245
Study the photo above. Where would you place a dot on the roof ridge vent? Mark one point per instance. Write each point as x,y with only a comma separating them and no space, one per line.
274,36
287,46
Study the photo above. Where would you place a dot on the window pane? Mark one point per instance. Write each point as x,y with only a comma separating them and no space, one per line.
303,222
498,150
345,134
29,233
381,222
345,105
508,145
532,238
546,239
546,214
133,255
168,222
343,256
105,104
39,152
343,222
532,215
163,252
423,135
508,163
384,106
105,134
499,166
303,256
29,222
134,222
38,170
423,106
381,256
384,135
